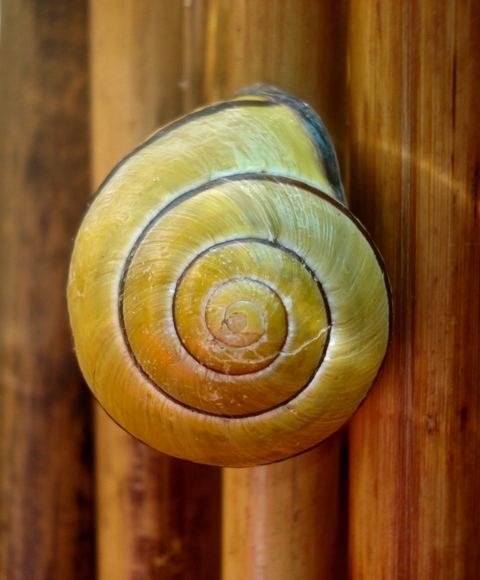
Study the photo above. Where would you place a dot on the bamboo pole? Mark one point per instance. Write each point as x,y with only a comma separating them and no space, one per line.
415,443
46,490
157,516
282,521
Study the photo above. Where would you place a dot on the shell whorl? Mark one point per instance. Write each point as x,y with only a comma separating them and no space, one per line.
226,307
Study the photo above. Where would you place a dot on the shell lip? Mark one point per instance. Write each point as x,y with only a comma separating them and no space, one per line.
315,127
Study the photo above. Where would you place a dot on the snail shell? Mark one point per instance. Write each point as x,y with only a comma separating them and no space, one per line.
226,307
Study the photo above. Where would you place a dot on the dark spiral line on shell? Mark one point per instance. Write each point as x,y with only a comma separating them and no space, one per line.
185,197
265,243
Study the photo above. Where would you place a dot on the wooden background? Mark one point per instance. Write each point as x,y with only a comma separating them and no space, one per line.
394,496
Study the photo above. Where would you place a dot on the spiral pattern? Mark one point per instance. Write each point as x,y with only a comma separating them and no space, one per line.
224,316
238,314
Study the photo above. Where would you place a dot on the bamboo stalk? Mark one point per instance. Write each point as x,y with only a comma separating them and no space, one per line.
415,444
284,520
46,489
157,516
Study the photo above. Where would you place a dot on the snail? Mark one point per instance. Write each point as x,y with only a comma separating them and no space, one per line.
225,305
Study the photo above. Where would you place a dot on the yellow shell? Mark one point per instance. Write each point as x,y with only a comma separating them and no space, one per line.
226,307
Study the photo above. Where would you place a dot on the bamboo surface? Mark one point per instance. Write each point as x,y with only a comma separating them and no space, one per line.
415,443
46,491
157,517
282,521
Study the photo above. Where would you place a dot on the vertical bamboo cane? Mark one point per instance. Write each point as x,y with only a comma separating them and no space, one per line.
415,444
46,489
157,516
282,521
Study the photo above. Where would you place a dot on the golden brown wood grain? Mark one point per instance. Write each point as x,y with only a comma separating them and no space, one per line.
46,491
193,50
158,517
136,66
415,443
282,521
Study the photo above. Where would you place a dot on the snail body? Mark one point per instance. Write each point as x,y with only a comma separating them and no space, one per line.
226,307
